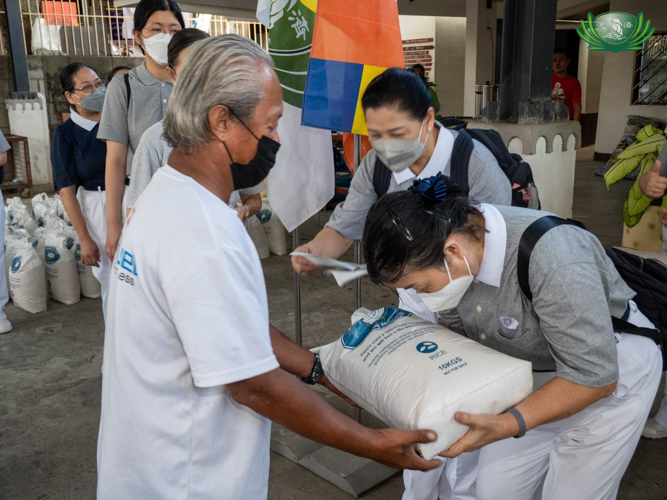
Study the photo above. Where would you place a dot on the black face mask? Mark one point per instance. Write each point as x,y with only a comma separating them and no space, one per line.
251,174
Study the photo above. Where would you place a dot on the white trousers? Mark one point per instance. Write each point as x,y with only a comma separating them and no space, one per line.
94,209
455,478
4,292
661,416
585,455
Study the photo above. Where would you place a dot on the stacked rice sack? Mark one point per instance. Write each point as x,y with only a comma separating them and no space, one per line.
267,232
43,256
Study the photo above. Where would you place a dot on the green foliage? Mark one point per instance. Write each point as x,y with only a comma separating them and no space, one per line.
620,169
651,144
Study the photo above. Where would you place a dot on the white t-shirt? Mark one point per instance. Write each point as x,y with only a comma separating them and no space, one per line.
187,313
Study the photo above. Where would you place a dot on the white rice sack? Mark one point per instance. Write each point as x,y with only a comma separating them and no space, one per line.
39,242
61,271
11,244
90,287
258,237
274,229
27,281
14,204
413,374
23,220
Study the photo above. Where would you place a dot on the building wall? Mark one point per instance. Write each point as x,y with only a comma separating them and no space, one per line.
617,80
44,73
450,42
416,27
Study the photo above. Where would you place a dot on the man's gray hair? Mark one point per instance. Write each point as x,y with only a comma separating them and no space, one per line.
220,70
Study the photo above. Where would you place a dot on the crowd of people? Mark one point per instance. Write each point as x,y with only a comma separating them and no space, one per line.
157,170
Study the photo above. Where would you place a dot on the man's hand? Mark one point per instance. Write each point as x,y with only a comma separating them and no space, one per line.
324,381
398,449
652,184
243,212
663,216
303,266
113,237
90,252
484,429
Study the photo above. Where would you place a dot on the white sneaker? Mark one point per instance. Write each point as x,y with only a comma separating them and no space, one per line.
653,430
5,326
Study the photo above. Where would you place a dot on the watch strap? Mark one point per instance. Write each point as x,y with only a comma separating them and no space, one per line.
316,373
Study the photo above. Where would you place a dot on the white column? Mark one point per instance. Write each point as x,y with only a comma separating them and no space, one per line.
480,38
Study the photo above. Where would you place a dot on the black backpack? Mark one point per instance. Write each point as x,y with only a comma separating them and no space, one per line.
518,172
647,277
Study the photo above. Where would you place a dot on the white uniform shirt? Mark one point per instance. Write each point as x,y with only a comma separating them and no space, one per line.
187,314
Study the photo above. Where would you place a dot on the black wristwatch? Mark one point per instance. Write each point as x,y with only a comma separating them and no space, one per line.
316,374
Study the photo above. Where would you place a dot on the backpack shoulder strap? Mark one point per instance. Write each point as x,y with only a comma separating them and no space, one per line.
381,178
529,239
463,147
126,77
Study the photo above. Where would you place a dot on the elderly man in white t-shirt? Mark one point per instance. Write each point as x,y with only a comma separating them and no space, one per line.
192,370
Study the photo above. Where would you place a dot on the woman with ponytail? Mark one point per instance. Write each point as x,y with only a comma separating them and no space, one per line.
593,387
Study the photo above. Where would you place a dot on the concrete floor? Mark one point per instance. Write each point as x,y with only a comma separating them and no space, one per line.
50,378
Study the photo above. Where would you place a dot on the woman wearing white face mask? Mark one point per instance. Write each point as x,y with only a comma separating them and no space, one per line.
134,102
594,388
154,150
78,160
408,143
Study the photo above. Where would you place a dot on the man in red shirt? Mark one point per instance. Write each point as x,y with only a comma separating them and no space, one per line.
564,86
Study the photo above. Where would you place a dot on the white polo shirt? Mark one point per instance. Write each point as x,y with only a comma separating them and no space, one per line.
187,314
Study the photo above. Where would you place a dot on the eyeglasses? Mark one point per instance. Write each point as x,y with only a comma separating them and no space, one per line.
87,89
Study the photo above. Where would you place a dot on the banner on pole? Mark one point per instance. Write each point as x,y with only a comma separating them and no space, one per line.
302,180
353,42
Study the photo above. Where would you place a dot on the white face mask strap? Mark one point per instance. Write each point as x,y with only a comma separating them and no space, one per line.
467,265
420,132
447,267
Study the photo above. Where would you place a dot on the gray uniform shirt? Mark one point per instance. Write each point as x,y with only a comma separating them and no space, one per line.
148,105
488,184
576,289
4,144
153,152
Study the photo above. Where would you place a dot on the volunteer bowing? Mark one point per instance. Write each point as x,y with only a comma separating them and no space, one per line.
593,387
78,160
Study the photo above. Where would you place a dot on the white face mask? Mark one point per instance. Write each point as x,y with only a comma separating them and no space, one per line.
156,47
399,154
450,296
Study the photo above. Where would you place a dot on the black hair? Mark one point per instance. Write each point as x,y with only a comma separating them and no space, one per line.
116,70
399,216
181,41
146,8
561,50
415,66
400,88
68,72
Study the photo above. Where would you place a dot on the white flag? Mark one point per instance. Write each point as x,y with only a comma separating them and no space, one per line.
302,180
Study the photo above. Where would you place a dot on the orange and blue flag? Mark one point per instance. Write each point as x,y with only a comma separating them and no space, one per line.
353,42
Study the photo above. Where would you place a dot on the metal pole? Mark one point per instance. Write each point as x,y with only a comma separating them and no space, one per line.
17,45
357,251
296,242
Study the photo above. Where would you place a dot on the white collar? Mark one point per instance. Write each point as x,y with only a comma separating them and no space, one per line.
439,159
495,244
82,122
